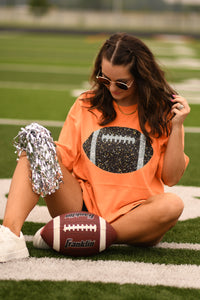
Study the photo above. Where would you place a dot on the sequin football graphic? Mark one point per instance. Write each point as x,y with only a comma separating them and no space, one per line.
118,149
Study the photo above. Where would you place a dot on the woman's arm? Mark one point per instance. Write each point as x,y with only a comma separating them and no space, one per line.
174,159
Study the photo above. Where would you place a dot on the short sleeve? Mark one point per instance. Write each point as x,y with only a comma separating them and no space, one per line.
163,146
69,139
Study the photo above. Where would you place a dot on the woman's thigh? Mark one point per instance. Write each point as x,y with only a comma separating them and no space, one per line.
67,198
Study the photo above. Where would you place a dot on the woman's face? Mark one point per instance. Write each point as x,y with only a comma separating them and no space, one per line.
119,73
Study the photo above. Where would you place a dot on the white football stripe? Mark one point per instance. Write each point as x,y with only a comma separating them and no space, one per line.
93,146
56,233
102,271
141,151
102,241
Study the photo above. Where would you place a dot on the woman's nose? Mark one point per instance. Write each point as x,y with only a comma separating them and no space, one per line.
113,86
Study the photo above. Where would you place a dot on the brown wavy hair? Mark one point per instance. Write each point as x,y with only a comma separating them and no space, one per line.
153,91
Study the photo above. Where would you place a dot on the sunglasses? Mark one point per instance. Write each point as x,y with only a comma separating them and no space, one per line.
121,85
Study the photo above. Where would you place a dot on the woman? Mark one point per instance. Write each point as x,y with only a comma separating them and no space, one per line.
121,142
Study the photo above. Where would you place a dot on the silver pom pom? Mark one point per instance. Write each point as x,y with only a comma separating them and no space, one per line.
40,149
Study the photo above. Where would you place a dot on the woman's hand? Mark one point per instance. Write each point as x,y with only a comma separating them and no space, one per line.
180,110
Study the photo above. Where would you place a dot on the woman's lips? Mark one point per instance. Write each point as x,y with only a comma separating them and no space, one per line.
116,93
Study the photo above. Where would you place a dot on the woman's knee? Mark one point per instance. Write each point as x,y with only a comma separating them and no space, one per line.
169,208
176,205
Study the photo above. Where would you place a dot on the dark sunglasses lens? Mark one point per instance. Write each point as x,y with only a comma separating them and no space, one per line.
122,86
103,80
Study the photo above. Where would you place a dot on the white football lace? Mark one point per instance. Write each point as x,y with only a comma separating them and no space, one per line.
80,227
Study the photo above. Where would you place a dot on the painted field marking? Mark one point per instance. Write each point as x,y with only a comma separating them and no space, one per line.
40,214
51,123
101,271
181,63
43,69
27,122
36,86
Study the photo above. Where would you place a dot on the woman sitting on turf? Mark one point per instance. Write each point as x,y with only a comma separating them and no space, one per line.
121,142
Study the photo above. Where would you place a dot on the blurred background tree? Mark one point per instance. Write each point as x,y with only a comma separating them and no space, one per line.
109,5
39,7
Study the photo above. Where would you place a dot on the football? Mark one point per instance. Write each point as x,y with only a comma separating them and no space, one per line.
118,149
78,234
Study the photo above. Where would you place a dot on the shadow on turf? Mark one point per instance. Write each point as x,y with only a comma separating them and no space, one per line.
129,254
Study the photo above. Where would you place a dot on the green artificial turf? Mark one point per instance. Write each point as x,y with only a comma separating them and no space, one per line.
33,290
35,105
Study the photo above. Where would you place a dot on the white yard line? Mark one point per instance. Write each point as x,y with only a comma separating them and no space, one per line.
192,129
190,196
189,89
181,63
26,122
44,69
176,246
51,123
101,271
36,86
189,85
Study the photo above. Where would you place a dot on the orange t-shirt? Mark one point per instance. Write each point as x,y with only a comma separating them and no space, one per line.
115,165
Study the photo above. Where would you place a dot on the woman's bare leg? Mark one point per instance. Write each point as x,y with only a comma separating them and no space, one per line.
146,224
21,198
